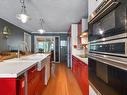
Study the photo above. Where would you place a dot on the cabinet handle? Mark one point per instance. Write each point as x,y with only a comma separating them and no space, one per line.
33,70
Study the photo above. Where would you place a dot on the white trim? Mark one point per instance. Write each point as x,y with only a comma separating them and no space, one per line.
111,37
55,50
110,60
50,33
111,42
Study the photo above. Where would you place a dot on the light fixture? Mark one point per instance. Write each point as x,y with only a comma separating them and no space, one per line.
41,31
101,31
23,17
84,34
6,32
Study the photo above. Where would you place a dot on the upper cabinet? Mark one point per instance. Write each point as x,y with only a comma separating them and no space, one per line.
76,30
74,34
92,5
83,34
84,25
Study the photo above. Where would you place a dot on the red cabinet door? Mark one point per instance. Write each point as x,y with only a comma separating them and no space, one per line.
32,73
7,86
80,71
42,78
30,88
40,84
33,79
73,64
20,86
84,79
38,90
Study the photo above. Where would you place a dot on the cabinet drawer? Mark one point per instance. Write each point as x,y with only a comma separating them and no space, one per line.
32,85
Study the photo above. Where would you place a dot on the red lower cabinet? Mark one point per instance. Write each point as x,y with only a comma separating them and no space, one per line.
8,86
12,86
84,79
20,85
38,89
16,86
32,80
80,71
30,89
40,84
36,83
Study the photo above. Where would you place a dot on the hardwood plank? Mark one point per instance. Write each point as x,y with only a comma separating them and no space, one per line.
63,83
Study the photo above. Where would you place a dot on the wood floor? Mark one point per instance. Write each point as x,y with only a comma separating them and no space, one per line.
63,83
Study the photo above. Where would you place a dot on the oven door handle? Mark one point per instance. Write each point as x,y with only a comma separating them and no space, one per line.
98,13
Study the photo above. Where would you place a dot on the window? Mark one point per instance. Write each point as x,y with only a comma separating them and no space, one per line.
63,43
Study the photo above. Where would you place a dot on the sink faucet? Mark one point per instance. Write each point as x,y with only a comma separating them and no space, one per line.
25,46
18,53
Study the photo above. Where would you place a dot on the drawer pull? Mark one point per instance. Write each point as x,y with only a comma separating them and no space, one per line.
33,70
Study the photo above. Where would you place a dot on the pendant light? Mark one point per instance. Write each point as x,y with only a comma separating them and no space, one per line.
41,30
6,32
23,17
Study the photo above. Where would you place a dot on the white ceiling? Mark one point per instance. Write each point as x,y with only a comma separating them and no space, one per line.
57,14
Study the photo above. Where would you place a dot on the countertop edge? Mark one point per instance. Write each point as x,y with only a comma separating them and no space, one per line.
15,75
84,60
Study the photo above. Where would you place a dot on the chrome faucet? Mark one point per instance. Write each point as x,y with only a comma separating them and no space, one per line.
24,44
18,53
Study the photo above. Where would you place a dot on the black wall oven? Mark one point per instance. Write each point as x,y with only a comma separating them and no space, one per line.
108,29
113,47
108,48
110,24
108,79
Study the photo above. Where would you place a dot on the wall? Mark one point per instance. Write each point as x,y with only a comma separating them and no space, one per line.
92,5
27,39
15,38
84,24
3,42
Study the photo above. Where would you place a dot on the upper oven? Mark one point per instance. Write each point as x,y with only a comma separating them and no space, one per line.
112,47
108,21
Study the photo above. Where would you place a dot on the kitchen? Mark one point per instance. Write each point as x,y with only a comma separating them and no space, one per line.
80,53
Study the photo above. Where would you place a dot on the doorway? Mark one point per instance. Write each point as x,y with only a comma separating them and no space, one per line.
48,44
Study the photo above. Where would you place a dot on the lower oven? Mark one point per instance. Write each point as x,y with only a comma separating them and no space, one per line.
107,79
112,47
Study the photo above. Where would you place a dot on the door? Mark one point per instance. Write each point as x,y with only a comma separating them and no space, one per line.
57,49
69,57
63,51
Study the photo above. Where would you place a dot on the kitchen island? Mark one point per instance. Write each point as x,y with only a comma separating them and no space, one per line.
26,75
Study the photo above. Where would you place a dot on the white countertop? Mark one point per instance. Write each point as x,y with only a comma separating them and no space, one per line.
13,68
85,60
